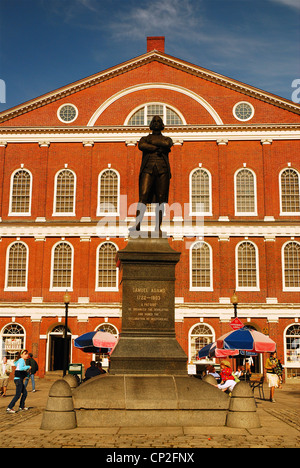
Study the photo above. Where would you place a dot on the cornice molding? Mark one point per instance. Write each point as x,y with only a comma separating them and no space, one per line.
125,134
138,62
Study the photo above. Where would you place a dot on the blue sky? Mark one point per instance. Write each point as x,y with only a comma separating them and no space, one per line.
45,44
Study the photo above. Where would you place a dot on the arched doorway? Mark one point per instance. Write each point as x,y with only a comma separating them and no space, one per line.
56,348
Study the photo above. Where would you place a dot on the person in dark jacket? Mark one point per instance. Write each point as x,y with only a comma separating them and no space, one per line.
93,371
33,369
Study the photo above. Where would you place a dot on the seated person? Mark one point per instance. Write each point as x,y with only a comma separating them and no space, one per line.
210,370
93,371
228,382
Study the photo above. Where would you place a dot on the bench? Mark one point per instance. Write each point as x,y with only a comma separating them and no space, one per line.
256,381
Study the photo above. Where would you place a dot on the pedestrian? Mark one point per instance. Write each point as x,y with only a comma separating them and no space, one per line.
228,381
5,371
272,377
20,374
34,368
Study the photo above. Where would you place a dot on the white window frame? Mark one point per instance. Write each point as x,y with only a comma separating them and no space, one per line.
200,213
238,118
13,288
155,104
287,213
284,287
69,121
245,213
190,338
14,213
289,364
98,288
247,288
70,288
73,213
197,288
99,212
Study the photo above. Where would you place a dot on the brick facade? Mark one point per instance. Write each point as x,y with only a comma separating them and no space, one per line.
32,138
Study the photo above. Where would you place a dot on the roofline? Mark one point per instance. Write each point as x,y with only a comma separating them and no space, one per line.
188,67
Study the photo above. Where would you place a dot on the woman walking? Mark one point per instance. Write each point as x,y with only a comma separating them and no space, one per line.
20,374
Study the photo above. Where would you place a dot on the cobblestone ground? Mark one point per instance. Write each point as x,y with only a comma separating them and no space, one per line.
280,429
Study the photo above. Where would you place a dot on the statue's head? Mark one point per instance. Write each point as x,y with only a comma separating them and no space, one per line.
157,123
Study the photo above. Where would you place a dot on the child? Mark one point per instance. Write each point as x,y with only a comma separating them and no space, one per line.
20,374
228,381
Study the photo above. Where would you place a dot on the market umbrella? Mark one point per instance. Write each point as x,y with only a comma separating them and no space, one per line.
211,350
247,340
94,342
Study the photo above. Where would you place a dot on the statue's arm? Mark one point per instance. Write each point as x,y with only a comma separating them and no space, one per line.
145,146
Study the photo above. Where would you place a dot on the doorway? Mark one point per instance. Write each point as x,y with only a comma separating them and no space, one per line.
56,348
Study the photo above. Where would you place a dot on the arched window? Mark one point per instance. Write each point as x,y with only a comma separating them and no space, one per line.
200,335
108,193
292,351
201,267
62,267
65,192
16,267
247,276
289,192
200,192
245,193
20,193
107,271
12,341
291,266
144,115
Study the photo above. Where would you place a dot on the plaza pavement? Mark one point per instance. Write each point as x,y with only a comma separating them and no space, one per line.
279,421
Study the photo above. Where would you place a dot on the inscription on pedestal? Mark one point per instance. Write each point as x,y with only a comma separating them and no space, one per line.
148,306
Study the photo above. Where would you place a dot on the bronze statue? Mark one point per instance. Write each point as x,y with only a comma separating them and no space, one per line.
155,173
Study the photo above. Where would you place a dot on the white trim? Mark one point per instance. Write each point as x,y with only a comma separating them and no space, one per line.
197,288
73,213
248,288
98,212
142,87
12,288
200,213
284,287
245,213
292,363
69,121
189,339
243,102
174,109
287,213
98,288
15,213
52,288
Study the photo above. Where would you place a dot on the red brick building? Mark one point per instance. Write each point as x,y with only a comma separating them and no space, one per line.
69,166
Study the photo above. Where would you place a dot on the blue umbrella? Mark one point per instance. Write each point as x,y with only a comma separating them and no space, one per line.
211,350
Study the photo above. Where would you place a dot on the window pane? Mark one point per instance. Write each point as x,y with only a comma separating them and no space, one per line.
290,194
201,266
65,187
20,202
109,192
62,266
200,191
292,265
245,192
107,270
247,265
17,266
